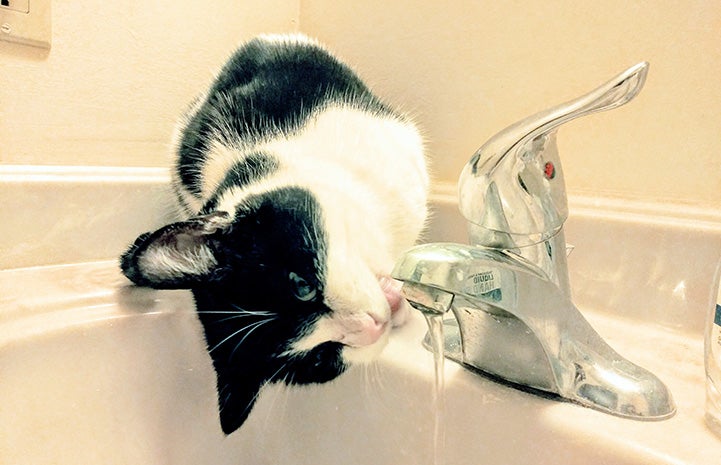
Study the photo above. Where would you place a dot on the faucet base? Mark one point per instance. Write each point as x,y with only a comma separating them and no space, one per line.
452,352
510,352
513,346
508,349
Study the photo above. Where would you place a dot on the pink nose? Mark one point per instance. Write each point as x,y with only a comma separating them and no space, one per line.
362,331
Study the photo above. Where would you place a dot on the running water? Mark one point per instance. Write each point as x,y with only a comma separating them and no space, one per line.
435,331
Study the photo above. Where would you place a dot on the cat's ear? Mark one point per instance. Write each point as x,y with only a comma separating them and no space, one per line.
175,256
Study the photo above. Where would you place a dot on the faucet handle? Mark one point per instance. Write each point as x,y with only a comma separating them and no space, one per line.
513,185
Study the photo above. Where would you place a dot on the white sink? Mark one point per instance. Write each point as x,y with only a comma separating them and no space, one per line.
95,372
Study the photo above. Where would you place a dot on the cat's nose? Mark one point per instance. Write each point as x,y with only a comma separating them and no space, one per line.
363,330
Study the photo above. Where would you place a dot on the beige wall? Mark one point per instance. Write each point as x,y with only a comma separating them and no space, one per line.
118,75
469,68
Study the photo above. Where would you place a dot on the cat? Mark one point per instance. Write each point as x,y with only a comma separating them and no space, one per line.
300,188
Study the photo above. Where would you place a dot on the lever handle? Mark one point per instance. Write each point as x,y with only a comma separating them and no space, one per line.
519,170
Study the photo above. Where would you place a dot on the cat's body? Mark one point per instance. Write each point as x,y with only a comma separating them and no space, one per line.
301,190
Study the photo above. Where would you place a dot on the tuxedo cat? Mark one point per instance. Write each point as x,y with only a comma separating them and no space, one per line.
300,188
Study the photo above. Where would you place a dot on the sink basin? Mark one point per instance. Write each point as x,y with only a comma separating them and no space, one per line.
95,371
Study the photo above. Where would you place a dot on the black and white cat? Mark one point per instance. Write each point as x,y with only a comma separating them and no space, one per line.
300,189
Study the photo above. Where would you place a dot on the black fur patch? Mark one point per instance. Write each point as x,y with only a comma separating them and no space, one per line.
264,87
252,168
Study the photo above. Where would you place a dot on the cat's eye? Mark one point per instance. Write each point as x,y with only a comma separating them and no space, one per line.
302,289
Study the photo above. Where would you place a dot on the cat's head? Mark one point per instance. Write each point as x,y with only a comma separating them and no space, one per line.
280,296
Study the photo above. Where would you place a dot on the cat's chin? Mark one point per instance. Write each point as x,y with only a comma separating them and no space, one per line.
353,355
365,354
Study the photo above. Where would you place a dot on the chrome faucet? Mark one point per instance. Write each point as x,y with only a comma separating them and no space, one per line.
512,314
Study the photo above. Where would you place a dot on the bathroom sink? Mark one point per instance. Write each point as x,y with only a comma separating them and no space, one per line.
93,370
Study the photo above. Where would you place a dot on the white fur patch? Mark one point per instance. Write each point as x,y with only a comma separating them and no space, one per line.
168,263
324,330
347,158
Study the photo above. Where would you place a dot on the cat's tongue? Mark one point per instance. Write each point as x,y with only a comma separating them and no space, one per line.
392,290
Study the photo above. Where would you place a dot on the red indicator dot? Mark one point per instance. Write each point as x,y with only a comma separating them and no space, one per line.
549,171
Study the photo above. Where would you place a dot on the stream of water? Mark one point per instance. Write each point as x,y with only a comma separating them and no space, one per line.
435,326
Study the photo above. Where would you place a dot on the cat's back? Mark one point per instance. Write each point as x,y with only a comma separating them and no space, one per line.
284,110
268,89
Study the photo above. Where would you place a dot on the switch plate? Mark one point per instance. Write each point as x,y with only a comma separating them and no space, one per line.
22,6
26,22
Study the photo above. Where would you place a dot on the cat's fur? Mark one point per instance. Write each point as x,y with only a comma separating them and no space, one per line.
301,189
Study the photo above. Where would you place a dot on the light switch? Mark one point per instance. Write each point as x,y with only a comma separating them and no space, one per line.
22,6
26,22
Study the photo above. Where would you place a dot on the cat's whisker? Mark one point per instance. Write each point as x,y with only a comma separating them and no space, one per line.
378,376
370,387
279,386
391,395
250,328
223,396
286,393
271,378
235,312
364,380
254,312
240,316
